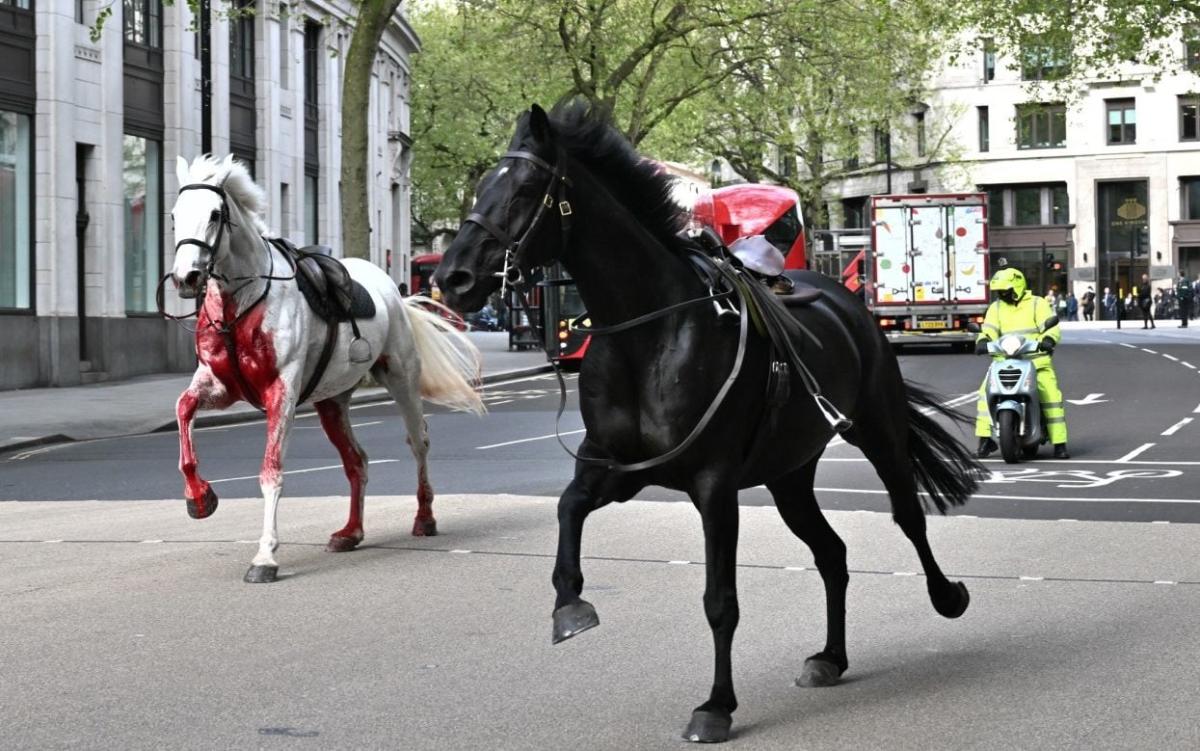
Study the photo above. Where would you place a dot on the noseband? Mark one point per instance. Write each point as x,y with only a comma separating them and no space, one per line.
555,196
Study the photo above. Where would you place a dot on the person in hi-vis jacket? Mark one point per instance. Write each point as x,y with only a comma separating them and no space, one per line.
1019,311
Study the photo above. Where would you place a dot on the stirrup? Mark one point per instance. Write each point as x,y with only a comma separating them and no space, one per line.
839,422
730,310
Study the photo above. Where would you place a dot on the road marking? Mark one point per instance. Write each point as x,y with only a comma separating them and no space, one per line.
529,440
301,471
150,542
1175,428
1160,522
794,568
1196,410
904,573
1051,498
503,401
459,551
1123,344
1163,581
50,542
1089,399
679,563
1149,350
1032,578
1172,358
1189,365
1135,452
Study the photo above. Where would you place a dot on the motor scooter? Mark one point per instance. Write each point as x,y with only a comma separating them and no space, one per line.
1018,425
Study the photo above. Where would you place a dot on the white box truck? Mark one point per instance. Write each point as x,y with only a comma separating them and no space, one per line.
926,269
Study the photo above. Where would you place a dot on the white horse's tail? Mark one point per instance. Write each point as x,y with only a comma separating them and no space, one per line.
450,362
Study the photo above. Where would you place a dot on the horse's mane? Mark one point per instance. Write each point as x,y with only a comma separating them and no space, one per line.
641,185
238,183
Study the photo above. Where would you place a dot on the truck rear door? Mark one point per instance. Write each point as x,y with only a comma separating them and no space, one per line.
969,253
890,243
929,261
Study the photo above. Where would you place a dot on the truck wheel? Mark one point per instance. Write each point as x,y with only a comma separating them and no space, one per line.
1008,436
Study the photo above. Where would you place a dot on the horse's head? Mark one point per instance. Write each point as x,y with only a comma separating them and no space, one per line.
515,223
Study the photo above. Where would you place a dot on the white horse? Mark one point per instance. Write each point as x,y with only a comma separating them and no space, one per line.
258,341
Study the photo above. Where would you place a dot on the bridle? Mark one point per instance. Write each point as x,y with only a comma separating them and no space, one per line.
555,196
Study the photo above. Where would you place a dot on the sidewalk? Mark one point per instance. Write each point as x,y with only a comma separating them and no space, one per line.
30,417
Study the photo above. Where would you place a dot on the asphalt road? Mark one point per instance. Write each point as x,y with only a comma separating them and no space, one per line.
125,625
1133,443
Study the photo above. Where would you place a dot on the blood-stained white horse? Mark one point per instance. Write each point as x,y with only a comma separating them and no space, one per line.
259,341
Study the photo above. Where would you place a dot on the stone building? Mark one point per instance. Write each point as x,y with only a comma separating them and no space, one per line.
89,132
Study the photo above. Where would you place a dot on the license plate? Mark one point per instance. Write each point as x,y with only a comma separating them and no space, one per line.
931,324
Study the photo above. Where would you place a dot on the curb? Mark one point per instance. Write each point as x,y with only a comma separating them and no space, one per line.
374,395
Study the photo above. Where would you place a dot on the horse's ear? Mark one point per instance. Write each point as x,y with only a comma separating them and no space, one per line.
539,124
181,170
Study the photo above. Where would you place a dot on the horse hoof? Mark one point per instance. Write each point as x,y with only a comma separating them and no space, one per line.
339,544
954,603
260,574
425,528
573,619
204,507
708,727
818,673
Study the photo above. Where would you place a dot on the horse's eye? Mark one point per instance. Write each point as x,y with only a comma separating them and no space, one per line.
216,216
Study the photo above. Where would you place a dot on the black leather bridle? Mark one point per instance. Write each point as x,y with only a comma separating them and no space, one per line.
555,196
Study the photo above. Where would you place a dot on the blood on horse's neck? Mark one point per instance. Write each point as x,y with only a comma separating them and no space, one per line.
621,270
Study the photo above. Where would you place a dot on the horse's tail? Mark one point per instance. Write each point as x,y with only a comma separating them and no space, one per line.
943,467
450,362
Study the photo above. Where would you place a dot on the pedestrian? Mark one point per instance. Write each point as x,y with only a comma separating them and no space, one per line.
1072,307
1089,305
1195,295
1108,304
1145,302
1122,305
1185,295
403,289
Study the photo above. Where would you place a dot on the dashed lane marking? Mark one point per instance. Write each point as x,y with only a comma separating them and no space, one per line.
1149,350
1175,428
1123,344
301,471
658,561
1046,498
1188,365
1172,358
528,440
1134,453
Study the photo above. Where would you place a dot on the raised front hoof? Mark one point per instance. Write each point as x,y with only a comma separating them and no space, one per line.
819,672
341,544
953,602
204,506
708,727
261,574
573,619
425,528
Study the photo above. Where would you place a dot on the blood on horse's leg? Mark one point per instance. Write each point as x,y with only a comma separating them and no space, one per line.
203,391
335,420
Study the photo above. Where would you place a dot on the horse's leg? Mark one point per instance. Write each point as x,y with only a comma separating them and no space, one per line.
716,499
405,387
335,419
281,409
797,504
572,614
889,455
207,392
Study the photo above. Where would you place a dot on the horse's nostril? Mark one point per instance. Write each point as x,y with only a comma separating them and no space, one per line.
192,278
460,282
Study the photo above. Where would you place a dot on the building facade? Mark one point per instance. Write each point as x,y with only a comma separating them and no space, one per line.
1090,190
89,132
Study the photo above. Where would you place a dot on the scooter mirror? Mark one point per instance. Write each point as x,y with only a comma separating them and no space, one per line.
973,327
1051,322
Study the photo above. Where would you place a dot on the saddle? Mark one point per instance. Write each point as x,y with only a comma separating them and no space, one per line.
787,287
326,284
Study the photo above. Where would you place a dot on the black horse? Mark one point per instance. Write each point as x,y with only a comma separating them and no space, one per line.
571,189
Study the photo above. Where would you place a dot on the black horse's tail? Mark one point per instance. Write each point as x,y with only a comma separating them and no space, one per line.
943,467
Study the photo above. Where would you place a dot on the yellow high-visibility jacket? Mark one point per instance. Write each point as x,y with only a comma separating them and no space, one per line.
1027,318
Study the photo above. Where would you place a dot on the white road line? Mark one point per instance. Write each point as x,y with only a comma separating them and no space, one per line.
1196,410
1132,454
528,440
1123,344
301,471
1067,499
497,404
1175,428
1032,578
1188,365
1172,358
49,542
1149,350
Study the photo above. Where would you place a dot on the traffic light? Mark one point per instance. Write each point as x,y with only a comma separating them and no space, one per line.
1141,240
1049,262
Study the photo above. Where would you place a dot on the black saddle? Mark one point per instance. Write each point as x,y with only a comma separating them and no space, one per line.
326,284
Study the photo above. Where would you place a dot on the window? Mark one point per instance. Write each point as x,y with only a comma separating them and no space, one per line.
1189,117
1041,126
1191,46
1027,206
310,209
1060,209
143,22
143,214
883,144
984,134
920,127
1122,121
16,190
22,4
996,207
989,60
854,213
1189,189
79,17
241,40
1043,62
285,54
285,209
